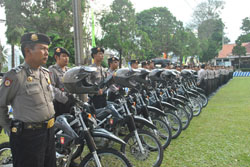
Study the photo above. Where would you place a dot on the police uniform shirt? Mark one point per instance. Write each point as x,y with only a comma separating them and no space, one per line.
57,74
113,87
29,92
217,73
201,75
98,75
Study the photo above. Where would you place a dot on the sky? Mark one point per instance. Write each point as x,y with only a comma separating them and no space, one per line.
232,15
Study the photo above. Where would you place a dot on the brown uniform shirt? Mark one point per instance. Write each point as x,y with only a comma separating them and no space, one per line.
29,92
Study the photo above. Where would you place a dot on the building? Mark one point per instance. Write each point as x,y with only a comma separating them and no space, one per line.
226,57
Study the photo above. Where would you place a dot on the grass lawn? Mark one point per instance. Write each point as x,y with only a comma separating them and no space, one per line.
220,136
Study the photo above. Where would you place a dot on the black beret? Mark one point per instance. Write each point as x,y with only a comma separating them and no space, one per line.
144,63
113,58
203,66
96,50
35,38
59,50
134,61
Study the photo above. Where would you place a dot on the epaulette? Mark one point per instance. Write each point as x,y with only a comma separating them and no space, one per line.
18,69
45,69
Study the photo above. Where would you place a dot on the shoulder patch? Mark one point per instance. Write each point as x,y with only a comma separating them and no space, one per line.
7,82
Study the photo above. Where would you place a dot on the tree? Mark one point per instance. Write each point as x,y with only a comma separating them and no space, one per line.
160,25
239,50
245,25
119,27
206,10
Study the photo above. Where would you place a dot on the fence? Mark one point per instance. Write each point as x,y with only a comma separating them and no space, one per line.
241,74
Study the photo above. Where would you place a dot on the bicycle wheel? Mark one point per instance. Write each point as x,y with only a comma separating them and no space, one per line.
173,122
5,155
108,157
194,104
203,99
163,133
152,154
183,115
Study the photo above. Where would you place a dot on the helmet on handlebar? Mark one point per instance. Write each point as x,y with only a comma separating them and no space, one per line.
125,77
141,76
168,75
155,75
77,80
186,73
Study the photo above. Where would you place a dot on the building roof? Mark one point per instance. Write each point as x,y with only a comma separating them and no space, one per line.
228,48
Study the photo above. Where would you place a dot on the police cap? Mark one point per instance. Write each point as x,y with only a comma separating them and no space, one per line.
96,50
59,50
35,38
134,61
113,58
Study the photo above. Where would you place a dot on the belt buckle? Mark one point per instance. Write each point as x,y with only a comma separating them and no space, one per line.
51,123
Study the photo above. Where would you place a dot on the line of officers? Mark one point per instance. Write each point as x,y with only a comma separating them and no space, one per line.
212,77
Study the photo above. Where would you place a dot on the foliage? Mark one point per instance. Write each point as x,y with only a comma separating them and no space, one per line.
210,33
245,25
52,17
119,28
206,10
239,50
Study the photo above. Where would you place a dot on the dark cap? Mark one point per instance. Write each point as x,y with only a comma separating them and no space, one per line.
35,38
134,61
203,66
59,50
96,50
113,58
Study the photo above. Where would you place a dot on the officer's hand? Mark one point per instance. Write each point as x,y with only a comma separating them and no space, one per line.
100,92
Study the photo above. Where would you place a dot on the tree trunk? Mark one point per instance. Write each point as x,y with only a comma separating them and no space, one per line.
12,55
239,62
120,57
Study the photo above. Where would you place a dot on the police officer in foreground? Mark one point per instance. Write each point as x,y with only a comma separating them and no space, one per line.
113,63
97,77
28,90
62,101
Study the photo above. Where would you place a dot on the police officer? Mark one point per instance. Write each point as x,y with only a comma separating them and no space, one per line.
113,63
28,90
144,64
134,64
151,65
97,77
62,101
202,77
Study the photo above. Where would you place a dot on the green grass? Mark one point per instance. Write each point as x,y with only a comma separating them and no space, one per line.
3,137
220,136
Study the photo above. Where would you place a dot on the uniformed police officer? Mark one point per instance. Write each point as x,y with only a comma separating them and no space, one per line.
62,101
113,63
151,65
202,76
144,64
28,90
134,64
97,77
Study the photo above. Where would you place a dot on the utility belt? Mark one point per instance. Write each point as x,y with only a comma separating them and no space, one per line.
17,126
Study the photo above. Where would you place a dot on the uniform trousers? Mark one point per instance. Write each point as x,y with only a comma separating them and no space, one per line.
33,148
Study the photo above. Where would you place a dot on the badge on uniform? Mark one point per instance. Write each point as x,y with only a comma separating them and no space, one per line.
7,82
51,123
14,130
29,79
49,82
